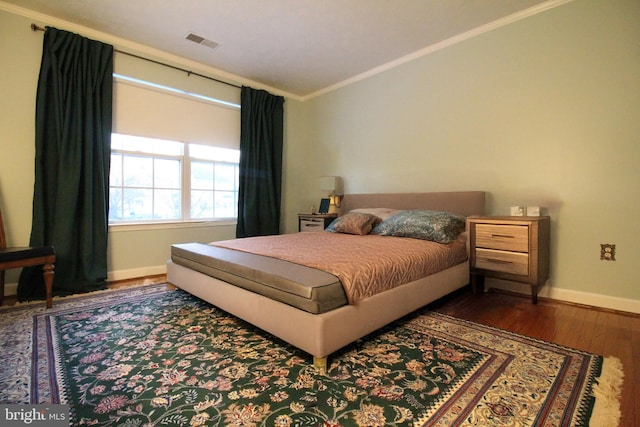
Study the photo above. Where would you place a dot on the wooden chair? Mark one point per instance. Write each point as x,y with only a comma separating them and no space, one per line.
18,257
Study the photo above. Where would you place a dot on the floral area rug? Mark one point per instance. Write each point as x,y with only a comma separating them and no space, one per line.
152,357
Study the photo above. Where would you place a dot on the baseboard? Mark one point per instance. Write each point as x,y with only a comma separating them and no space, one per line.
568,295
10,289
112,276
134,273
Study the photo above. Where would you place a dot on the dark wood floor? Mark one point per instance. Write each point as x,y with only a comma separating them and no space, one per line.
594,330
599,331
128,283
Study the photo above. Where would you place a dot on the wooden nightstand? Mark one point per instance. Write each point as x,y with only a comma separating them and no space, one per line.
315,222
510,248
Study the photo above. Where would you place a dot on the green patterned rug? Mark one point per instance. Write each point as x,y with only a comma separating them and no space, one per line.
150,357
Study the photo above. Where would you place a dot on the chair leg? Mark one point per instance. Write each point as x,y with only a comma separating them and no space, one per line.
47,273
1,287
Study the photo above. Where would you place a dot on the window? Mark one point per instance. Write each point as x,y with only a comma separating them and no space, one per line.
185,168
158,180
214,182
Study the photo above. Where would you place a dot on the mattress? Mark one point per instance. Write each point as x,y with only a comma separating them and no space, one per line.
366,265
308,289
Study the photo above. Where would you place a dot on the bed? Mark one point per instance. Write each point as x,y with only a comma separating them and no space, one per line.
323,328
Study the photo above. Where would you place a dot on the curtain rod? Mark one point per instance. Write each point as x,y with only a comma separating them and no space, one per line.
35,27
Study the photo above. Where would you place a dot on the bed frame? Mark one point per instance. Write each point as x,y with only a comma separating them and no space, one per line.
322,334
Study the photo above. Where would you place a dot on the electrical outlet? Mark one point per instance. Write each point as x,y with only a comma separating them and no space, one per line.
607,252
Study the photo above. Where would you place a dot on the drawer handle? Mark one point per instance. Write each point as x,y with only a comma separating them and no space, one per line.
508,236
498,261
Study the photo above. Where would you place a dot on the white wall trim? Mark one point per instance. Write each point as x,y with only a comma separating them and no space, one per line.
11,289
117,41
134,273
542,7
569,295
129,45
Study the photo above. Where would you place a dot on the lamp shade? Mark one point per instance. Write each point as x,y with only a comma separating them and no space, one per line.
331,184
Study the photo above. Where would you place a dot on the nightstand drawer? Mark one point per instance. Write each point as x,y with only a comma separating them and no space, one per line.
312,224
506,237
506,262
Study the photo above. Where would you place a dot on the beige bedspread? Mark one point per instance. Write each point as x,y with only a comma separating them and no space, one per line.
365,265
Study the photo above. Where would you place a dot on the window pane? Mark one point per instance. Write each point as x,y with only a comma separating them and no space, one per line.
201,204
137,204
115,175
202,175
138,171
167,173
146,180
115,204
167,204
170,148
225,204
225,177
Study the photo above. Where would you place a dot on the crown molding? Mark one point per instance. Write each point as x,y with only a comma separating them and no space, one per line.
542,7
137,48
128,45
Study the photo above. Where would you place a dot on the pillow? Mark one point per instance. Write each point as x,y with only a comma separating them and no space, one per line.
382,213
354,223
436,226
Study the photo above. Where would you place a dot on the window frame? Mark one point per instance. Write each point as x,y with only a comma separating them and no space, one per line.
185,160
187,176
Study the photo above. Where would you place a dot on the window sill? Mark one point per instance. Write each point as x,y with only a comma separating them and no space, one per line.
146,226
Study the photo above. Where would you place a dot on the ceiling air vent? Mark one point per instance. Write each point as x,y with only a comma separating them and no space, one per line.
201,40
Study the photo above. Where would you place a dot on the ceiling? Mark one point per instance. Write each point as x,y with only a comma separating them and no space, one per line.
297,47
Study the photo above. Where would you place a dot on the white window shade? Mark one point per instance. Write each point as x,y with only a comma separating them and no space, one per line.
151,112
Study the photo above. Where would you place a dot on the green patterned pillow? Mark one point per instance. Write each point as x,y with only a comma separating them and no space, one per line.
436,226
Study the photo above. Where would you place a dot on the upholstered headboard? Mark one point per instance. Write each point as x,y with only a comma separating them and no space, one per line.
461,202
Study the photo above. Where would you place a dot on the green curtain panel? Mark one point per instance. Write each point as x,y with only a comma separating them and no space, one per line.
73,153
261,141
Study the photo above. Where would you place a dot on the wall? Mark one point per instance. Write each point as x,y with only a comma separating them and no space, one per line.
540,112
18,76
133,251
543,112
